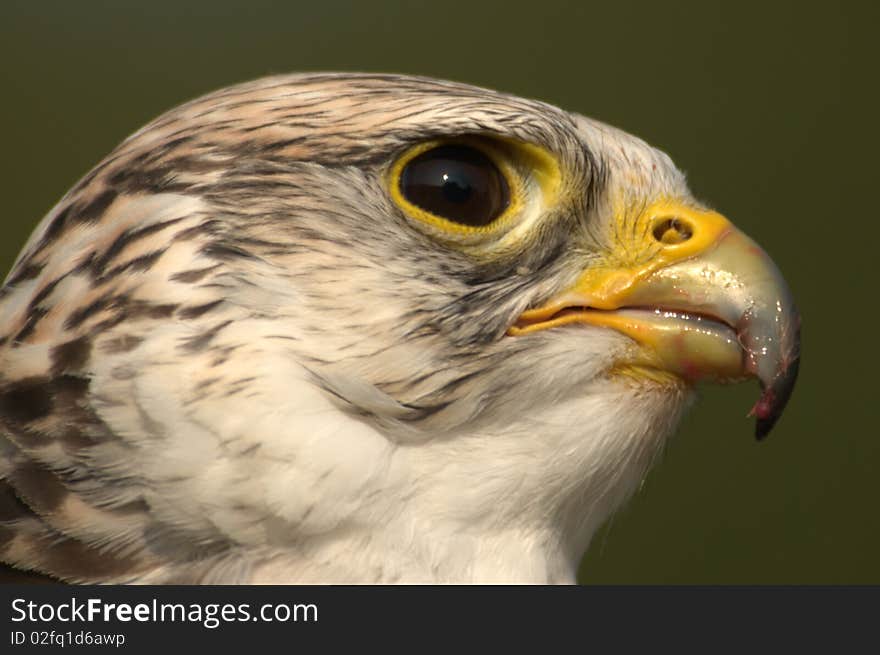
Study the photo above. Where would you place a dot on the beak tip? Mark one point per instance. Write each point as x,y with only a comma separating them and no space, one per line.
762,429
773,400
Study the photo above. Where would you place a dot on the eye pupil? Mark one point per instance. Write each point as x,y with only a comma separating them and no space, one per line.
456,182
455,190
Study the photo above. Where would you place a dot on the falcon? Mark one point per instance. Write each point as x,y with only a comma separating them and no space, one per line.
340,328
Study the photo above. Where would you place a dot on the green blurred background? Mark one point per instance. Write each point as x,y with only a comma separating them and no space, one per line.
768,107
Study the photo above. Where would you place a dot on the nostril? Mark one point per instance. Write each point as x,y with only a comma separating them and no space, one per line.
671,231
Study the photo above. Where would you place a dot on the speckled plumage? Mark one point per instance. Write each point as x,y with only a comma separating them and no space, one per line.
227,356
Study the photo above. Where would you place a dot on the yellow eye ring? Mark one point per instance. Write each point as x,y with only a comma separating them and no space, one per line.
445,226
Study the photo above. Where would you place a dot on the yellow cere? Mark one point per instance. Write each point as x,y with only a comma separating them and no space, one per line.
607,287
671,347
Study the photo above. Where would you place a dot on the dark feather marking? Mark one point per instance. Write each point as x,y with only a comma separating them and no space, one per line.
136,506
33,318
140,309
93,174
125,309
250,450
11,506
195,232
79,317
127,238
56,227
178,141
43,293
41,489
152,180
121,344
108,323
194,275
225,252
85,264
189,164
142,263
33,398
74,560
27,272
198,310
75,441
94,210
278,145
27,400
11,575
71,356
253,186
201,341
69,389
421,412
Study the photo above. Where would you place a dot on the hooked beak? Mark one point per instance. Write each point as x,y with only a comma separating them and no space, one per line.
709,303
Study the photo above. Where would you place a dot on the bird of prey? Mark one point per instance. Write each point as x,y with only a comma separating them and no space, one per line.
363,328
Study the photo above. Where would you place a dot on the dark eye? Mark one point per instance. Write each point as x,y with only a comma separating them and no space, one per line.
456,182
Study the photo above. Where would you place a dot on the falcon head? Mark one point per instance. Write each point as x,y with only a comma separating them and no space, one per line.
355,328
